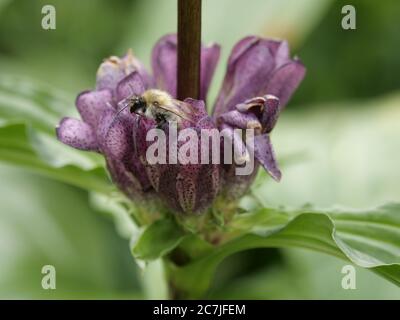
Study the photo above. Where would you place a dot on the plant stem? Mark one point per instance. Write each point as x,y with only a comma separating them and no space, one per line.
188,73
154,281
189,43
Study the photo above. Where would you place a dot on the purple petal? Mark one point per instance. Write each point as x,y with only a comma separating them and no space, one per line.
115,134
240,151
208,177
285,81
254,105
198,184
209,60
164,64
241,47
167,188
189,187
186,187
265,109
200,108
270,113
234,186
133,64
257,67
249,69
153,173
140,145
77,134
114,69
240,120
109,74
116,141
208,186
131,85
280,50
92,104
124,179
264,153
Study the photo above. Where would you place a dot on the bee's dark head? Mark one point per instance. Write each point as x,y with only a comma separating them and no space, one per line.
138,105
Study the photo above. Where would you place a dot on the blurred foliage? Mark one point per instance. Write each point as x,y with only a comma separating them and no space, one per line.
351,152
86,32
350,148
298,274
29,114
367,238
43,222
343,64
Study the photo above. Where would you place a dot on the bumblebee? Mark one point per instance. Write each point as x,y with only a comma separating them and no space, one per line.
159,106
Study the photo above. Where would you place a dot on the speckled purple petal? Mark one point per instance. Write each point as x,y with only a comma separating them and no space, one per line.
198,184
254,105
77,134
161,176
115,134
233,185
240,151
200,108
130,85
140,145
259,113
116,141
208,186
92,104
124,179
264,153
188,188
164,64
270,113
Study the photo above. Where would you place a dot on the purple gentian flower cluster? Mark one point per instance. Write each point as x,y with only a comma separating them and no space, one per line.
259,81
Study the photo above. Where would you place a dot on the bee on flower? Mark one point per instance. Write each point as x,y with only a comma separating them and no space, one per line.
128,102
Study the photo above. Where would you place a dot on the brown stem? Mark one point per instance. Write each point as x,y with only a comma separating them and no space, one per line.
189,42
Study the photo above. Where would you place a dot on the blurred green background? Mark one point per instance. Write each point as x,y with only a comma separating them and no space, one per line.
343,122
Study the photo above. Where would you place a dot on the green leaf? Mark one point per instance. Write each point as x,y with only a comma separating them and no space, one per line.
38,104
369,239
29,114
45,222
296,274
156,240
37,152
114,207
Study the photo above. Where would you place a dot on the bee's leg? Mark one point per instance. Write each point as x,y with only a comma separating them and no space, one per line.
160,125
161,121
135,147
